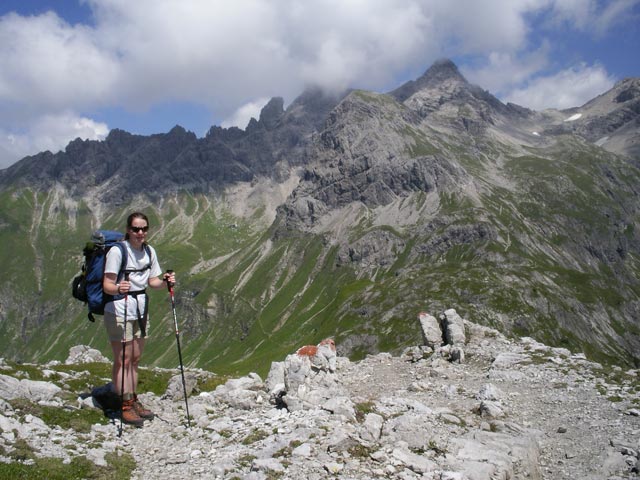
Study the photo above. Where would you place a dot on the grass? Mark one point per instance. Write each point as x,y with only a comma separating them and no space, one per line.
82,378
79,420
119,467
364,408
255,436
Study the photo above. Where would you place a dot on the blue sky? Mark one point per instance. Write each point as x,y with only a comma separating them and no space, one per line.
79,68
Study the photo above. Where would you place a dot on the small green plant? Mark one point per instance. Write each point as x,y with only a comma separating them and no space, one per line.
360,451
246,460
255,436
438,450
154,381
209,384
364,408
284,452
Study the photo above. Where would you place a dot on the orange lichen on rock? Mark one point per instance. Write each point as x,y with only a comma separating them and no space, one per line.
312,350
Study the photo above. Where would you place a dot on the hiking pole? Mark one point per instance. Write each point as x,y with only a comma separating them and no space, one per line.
175,327
124,344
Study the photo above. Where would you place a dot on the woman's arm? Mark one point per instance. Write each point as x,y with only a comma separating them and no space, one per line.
110,287
160,282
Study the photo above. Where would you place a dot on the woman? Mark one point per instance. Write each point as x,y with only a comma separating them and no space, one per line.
129,305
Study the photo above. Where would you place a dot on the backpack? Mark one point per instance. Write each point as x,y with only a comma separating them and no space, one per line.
87,287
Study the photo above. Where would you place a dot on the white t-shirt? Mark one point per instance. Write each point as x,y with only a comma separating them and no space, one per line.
136,260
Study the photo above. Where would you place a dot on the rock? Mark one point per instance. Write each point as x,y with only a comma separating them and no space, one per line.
175,389
490,409
489,392
84,354
380,417
415,354
431,332
453,328
371,428
508,360
36,391
414,462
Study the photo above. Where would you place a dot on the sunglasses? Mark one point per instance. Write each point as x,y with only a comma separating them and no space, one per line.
138,229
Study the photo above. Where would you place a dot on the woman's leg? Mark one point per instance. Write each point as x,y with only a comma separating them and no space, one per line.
136,353
116,369
132,354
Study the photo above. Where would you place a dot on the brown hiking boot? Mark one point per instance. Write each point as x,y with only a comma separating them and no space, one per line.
129,414
142,412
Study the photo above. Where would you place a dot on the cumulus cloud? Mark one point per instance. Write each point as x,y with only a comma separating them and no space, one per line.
48,64
48,132
505,70
592,15
566,89
246,112
136,55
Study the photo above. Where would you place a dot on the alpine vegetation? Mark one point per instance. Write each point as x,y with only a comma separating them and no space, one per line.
336,217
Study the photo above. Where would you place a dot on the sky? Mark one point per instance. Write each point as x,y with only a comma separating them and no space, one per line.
79,68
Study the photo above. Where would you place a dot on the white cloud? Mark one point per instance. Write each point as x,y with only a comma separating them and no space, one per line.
48,64
48,132
566,89
142,53
592,15
241,117
503,70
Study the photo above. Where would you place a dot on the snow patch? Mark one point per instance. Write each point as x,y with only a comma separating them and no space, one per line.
535,133
602,141
573,117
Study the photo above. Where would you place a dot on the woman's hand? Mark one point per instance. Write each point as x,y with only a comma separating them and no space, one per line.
123,287
169,278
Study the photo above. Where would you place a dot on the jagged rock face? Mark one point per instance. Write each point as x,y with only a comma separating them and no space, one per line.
370,153
178,160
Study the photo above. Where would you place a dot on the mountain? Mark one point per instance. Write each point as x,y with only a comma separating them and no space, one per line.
343,216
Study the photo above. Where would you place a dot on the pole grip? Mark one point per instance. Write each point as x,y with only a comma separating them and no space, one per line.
169,284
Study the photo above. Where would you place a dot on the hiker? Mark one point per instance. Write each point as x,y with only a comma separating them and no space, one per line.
130,304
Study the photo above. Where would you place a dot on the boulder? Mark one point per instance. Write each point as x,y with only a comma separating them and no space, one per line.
431,331
453,328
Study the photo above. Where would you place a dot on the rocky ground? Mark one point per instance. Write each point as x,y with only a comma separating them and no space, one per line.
484,407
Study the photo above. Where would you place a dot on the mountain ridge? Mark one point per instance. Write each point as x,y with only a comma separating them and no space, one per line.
330,217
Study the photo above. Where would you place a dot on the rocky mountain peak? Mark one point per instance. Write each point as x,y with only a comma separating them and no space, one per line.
272,112
627,89
442,71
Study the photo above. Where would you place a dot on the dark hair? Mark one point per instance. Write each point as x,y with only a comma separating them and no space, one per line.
130,220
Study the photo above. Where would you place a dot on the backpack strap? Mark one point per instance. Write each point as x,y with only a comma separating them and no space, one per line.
123,261
123,265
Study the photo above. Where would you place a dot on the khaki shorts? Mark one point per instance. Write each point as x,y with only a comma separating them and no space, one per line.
114,325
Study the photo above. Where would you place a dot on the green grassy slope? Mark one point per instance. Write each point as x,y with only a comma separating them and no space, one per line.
543,244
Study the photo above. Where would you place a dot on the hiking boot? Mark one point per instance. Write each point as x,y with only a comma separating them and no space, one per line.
142,412
129,414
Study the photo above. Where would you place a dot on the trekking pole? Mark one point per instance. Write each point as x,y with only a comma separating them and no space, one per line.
124,344
175,326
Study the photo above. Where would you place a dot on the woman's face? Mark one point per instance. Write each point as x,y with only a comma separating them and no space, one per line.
138,232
